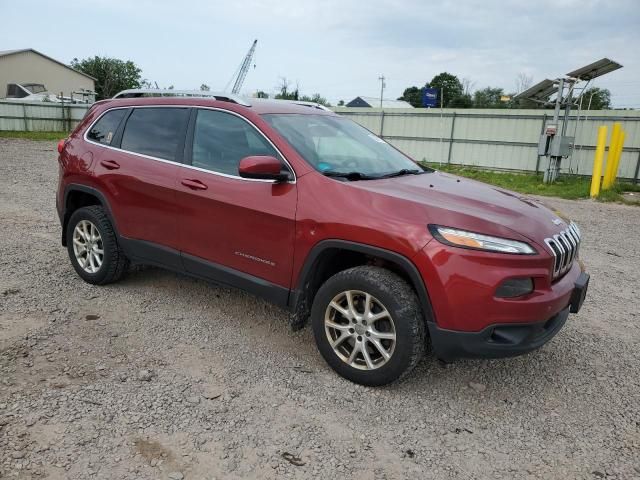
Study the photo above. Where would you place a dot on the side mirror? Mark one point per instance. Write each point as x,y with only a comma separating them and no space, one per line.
263,167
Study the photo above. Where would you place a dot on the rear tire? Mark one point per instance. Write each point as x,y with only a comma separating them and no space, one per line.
93,247
368,325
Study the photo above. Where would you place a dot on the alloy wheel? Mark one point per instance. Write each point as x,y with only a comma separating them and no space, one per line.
360,330
87,246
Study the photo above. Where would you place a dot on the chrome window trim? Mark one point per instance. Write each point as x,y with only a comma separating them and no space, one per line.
172,162
86,132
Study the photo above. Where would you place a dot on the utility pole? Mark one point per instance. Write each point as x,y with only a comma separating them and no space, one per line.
553,168
382,85
441,122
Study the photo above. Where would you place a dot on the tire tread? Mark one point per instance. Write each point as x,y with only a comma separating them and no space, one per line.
118,263
409,311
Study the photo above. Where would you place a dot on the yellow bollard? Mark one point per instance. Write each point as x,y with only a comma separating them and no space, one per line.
607,181
597,161
616,160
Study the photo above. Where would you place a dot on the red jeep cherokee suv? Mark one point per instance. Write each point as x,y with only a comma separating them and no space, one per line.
318,215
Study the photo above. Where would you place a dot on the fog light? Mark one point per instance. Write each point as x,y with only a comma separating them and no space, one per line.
515,287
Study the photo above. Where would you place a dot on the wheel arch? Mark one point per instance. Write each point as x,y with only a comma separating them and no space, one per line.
77,196
329,257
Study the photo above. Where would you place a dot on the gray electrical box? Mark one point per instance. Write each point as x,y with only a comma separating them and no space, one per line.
561,146
543,144
555,145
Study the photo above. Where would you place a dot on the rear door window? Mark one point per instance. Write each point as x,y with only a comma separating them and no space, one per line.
158,132
104,129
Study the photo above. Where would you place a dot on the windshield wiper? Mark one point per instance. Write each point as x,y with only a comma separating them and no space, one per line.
348,175
364,176
399,173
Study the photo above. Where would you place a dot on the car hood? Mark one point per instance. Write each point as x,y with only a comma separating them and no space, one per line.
463,203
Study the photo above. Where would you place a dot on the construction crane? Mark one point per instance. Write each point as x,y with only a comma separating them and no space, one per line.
244,68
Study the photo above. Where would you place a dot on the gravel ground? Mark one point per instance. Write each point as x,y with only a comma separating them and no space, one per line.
162,376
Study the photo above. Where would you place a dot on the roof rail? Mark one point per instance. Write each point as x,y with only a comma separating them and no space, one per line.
157,92
317,105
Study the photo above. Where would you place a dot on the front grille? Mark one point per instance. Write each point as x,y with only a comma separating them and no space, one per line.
564,248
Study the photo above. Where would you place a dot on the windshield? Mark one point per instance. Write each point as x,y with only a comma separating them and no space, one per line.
34,87
340,147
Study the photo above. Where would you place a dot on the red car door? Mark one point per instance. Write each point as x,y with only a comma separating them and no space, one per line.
138,175
234,230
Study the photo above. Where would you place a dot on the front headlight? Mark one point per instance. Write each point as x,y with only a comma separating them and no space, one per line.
478,241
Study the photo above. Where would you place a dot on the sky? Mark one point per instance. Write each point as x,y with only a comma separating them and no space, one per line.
339,48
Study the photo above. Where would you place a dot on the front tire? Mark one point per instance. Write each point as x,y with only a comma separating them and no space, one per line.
368,325
93,247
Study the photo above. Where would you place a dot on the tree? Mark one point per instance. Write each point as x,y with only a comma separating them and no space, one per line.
316,98
489,98
523,103
456,93
261,94
523,82
463,101
285,90
205,88
467,86
596,99
112,75
448,85
288,93
341,103
413,95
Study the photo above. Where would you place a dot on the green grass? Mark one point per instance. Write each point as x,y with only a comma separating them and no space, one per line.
47,136
571,187
615,194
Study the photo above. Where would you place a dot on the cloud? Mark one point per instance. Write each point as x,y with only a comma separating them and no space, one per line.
339,47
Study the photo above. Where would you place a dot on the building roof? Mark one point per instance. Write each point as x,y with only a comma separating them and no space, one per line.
4,53
386,103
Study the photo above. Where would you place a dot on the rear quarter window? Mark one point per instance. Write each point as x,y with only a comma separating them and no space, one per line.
104,129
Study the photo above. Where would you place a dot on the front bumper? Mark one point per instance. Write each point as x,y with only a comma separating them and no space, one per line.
495,341
462,286
505,339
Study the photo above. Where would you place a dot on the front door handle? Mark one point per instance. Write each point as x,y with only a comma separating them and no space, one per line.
110,164
194,184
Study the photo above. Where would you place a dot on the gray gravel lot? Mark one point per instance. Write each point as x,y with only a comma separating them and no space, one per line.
162,376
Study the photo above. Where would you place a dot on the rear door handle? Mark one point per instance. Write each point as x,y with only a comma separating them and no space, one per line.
110,164
194,184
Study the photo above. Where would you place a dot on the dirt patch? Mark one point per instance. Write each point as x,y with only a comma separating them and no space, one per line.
632,197
152,450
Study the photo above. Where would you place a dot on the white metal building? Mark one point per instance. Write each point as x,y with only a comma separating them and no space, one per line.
373,102
32,67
